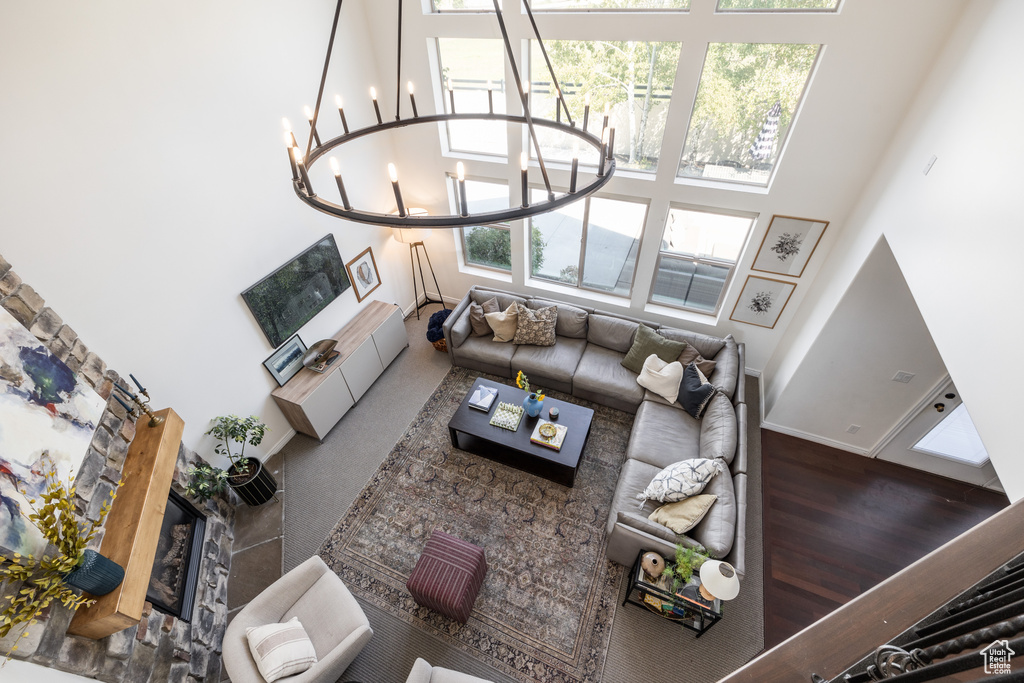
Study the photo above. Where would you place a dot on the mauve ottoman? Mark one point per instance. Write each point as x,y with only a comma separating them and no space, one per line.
448,576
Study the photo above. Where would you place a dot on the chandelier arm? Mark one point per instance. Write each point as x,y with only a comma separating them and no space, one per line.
398,80
524,98
560,99
323,80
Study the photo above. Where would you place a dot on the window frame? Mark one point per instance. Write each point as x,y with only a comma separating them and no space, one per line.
703,260
452,186
528,227
441,97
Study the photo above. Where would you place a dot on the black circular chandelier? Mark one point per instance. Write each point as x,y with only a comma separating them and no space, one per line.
317,149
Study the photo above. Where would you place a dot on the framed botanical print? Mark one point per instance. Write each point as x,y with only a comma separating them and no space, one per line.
762,301
362,271
788,245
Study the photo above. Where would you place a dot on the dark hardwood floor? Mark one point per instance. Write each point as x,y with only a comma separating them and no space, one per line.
836,524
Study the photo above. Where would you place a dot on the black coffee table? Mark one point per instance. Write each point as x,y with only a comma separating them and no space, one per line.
471,430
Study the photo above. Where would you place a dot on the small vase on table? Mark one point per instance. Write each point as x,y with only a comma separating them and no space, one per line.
533,404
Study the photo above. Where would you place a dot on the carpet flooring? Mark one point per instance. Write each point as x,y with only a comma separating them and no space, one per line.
641,646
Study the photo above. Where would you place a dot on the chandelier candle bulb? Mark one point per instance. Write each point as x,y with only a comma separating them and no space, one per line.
586,111
376,107
460,171
309,117
451,95
412,100
604,124
302,172
558,106
288,131
575,165
525,164
611,142
341,186
601,155
490,97
393,174
291,157
341,113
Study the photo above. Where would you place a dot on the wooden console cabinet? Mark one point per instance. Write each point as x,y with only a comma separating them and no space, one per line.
314,402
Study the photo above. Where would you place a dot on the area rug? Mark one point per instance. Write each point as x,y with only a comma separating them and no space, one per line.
546,607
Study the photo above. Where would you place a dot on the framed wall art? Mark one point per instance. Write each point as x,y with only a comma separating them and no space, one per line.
286,361
788,245
288,298
46,413
762,301
362,270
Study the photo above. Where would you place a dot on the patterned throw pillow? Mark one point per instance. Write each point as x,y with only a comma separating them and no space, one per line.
476,316
281,649
681,480
536,327
695,392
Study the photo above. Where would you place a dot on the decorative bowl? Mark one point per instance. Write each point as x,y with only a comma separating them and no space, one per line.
547,430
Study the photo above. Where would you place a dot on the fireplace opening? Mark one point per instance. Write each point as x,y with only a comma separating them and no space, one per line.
179,552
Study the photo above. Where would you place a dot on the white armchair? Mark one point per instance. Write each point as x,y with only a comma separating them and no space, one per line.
422,672
325,608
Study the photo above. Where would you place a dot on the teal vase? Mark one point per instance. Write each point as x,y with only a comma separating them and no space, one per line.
96,574
532,405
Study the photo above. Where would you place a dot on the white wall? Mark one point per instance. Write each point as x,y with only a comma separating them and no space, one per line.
845,378
877,53
955,232
144,184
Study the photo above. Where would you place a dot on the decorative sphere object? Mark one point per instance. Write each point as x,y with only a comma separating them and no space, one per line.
653,564
553,412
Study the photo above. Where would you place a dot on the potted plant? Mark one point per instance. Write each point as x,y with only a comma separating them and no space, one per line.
247,476
206,481
688,560
533,403
53,576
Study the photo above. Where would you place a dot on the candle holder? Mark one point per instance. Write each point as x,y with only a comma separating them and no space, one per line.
139,406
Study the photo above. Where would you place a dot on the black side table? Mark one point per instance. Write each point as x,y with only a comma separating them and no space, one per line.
658,597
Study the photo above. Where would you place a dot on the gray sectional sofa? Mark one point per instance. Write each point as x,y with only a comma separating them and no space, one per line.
586,362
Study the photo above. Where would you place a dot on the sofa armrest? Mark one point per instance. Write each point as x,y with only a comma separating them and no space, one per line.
740,395
739,459
449,323
626,542
737,556
331,667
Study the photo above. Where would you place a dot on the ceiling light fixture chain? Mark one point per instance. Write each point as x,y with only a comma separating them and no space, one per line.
301,163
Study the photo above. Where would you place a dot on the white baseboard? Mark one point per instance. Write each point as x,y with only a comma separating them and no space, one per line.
815,438
280,443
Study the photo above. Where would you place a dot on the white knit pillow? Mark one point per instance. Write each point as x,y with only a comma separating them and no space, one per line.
681,480
281,649
660,377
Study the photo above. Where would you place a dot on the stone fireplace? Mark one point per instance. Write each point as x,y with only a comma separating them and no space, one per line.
179,552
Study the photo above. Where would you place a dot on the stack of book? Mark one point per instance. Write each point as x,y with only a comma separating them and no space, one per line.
549,434
483,398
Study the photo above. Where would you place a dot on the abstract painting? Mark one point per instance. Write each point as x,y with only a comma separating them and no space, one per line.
788,245
761,301
363,271
45,412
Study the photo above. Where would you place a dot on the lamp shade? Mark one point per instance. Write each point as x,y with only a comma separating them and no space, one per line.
719,578
411,235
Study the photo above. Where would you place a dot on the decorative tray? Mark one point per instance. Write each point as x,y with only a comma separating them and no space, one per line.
507,416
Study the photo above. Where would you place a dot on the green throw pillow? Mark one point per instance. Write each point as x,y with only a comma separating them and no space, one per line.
646,342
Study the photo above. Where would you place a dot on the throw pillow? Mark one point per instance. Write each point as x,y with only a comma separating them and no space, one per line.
646,342
477,319
682,516
281,649
681,480
695,392
691,355
536,327
660,377
504,323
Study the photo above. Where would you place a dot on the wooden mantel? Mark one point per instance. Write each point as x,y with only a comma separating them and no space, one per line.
133,527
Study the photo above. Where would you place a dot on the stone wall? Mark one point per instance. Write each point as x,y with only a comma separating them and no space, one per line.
160,648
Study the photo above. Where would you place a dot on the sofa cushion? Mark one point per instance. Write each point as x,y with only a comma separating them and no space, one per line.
556,362
476,316
682,479
718,430
683,515
707,345
647,341
717,531
484,351
611,333
572,320
663,435
505,323
690,354
660,377
600,372
505,300
695,392
535,327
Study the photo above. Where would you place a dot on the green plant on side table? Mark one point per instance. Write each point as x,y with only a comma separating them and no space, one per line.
688,561
247,477
52,576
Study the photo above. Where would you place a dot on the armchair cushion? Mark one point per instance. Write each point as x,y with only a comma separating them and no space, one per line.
281,649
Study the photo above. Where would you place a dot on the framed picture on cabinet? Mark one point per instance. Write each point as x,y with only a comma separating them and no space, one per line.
762,301
286,361
362,271
788,245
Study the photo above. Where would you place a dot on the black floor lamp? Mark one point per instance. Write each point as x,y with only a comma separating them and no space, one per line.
414,238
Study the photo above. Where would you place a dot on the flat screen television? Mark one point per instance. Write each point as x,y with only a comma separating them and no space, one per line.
288,298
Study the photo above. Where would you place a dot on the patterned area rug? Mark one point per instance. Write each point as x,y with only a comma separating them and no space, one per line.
545,610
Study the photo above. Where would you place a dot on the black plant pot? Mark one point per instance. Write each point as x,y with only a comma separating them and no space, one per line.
256,486
96,574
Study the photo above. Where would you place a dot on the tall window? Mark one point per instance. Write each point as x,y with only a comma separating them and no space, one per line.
699,250
633,78
590,244
745,103
606,5
472,66
489,246
465,5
